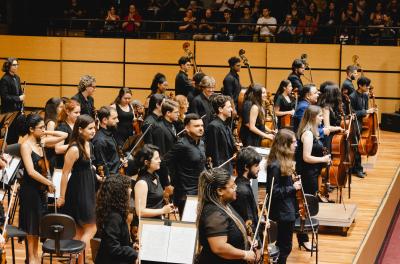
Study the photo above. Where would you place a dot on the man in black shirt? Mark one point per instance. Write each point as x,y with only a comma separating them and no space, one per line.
105,146
248,166
154,114
86,88
359,104
347,86
12,96
201,104
183,85
231,82
298,68
220,145
186,160
163,135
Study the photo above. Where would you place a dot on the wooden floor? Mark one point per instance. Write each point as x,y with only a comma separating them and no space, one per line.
366,193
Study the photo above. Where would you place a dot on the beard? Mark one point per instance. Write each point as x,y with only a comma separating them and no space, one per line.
352,77
251,175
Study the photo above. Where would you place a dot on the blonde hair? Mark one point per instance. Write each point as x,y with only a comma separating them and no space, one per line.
309,121
281,152
85,81
207,81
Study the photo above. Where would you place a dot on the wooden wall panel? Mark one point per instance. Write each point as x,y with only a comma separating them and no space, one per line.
319,55
218,53
43,72
155,51
372,57
69,91
30,47
106,74
141,76
93,49
104,96
37,95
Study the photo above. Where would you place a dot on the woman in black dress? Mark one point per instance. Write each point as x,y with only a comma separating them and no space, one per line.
283,103
125,116
159,85
283,205
309,156
222,232
34,187
78,195
253,129
65,123
111,215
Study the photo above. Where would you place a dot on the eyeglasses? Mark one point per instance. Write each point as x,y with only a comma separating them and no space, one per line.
15,64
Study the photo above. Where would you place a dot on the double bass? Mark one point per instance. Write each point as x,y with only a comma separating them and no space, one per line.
368,143
190,55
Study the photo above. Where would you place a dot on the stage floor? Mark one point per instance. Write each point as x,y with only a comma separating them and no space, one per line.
366,193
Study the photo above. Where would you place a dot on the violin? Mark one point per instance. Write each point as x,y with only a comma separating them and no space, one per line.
168,192
270,120
286,120
300,197
323,192
121,155
138,120
44,165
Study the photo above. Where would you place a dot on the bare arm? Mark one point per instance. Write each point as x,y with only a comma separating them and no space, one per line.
219,245
282,113
307,139
53,137
252,123
70,158
26,152
327,124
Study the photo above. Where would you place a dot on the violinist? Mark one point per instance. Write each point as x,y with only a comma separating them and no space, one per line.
347,86
220,144
294,77
86,88
153,113
232,86
125,113
222,232
283,102
111,217
359,104
248,166
201,104
186,160
253,128
309,157
35,185
183,85
283,204
159,85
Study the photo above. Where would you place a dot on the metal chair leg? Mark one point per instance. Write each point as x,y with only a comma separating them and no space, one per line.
312,244
13,250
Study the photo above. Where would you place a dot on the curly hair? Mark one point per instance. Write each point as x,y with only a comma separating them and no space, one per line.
85,82
112,197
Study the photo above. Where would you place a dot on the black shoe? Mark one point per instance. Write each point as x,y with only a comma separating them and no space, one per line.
314,248
360,174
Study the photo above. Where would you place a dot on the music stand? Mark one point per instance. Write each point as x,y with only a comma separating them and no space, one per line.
10,117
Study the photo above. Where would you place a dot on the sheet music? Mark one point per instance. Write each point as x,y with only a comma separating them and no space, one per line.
262,174
190,211
9,171
262,151
154,241
57,175
181,245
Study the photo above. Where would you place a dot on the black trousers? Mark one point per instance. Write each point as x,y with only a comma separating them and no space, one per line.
357,161
284,241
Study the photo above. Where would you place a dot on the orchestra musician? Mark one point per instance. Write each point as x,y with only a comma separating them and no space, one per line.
248,166
183,109
186,160
232,86
283,210
283,103
78,193
197,77
86,88
294,77
201,104
359,105
12,95
159,85
347,86
222,232
153,114
309,157
125,114
111,219
35,185
253,128
183,85
220,144
65,123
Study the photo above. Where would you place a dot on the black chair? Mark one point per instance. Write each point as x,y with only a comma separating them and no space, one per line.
311,224
14,232
59,230
273,250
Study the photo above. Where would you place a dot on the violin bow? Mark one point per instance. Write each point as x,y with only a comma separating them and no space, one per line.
226,162
9,207
137,143
267,218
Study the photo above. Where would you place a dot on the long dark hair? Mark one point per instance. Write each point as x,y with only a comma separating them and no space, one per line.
83,121
50,110
112,197
145,153
281,88
31,121
254,95
155,99
159,78
8,63
330,97
122,92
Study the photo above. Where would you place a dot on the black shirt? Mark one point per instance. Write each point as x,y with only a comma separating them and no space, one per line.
125,125
359,104
64,127
106,151
10,90
201,105
296,82
215,222
87,105
232,86
185,161
183,85
152,120
154,192
284,106
248,137
348,88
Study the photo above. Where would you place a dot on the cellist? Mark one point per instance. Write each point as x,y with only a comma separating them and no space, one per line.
283,103
283,205
359,104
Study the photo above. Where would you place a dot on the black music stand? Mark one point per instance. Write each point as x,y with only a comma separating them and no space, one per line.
15,123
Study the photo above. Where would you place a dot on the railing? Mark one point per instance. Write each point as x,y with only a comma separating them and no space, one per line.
369,35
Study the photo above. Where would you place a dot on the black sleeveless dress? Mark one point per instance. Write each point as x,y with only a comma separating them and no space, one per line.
249,138
33,200
309,172
64,127
80,196
124,127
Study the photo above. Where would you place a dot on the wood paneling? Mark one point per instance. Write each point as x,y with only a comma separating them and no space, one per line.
142,75
37,96
42,72
30,47
155,51
218,53
107,74
89,49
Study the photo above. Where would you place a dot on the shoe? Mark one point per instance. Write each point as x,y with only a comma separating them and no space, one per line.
360,174
307,246
322,198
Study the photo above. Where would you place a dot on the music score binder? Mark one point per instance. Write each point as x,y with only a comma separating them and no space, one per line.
190,210
8,174
166,241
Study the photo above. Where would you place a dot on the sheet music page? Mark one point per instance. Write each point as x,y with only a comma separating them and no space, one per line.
10,169
57,174
190,211
154,242
182,241
262,174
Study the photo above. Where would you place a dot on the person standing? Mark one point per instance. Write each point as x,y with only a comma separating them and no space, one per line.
12,96
232,86
201,104
86,88
294,77
125,114
183,85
